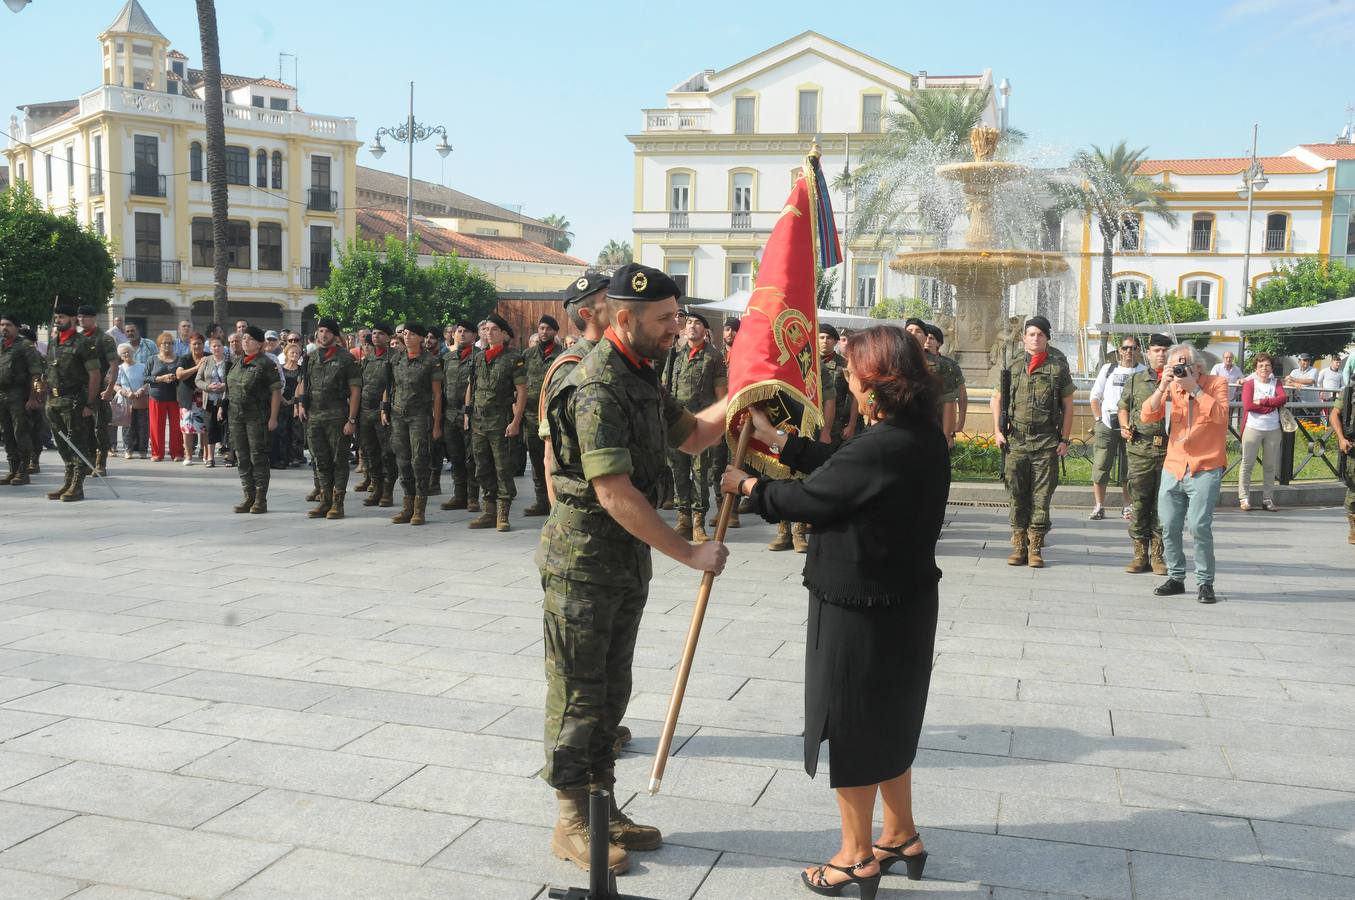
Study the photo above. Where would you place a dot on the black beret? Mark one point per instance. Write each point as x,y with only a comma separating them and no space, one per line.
825,328
465,323
64,307
693,314
331,324
732,322
1159,340
7,316
255,332
914,320
1039,322
587,284
86,310
496,319
383,326
644,283
416,328
936,332
434,330
549,320
28,332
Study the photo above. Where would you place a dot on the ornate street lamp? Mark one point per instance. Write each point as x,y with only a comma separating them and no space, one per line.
17,5
408,132
1253,180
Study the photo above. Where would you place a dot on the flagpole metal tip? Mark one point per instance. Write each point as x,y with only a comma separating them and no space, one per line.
654,786
814,149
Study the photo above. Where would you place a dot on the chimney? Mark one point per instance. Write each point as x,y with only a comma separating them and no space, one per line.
922,79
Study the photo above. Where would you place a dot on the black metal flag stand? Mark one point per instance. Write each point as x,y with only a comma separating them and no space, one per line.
601,882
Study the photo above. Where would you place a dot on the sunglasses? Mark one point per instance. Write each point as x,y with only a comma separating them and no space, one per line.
294,340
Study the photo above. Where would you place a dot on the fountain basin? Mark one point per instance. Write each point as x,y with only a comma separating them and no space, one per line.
974,267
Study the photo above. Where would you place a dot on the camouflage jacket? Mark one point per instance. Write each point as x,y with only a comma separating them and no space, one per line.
695,375
455,377
330,375
494,389
1150,438
412,383
376,378
948,371
571,358
19,365
829,367
538,362
68,367
250,383
842,395
107,349
1035,401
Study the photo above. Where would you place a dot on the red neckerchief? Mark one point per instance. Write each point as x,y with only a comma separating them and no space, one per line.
466,351
89,332
625,351
549,348
1159,373
380,351
9,342
696,348
415,354
64,336
249,359
329,354
492,353
1036,360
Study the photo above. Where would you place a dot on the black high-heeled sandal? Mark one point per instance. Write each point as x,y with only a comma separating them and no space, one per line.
915,864
866,886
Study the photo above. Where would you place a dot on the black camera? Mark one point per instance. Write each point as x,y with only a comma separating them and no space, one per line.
1180,371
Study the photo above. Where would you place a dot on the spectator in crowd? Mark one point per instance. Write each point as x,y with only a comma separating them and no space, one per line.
234,347
131,386
290,370
1197,431
164,407
190,406
1107,441
143,351
272,346
240,326
183,338
1305,376
360,343
1262,399
1329,380
211,381
117,333
1230,372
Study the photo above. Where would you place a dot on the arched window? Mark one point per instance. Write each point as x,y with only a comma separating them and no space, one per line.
1128,289
1201,290
1202,233
277,170
1277,232
1130,227
261,169
195,162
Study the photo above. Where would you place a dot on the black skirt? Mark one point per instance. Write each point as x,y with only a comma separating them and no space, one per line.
867,671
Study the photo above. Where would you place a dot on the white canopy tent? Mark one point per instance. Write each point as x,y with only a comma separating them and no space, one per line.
1333,312
737,302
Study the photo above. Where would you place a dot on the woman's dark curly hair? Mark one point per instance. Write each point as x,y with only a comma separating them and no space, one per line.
888,361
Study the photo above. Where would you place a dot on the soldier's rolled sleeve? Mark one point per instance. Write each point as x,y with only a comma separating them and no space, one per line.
519,370
603,431
274,380
1066,386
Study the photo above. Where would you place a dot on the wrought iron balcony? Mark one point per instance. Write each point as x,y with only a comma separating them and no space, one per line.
150,270
1201,242
741,221
809,123
1275,240
678,220
96,184
314,278
144,185
322,200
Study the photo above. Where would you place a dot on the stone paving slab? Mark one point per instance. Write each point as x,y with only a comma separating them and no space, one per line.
278,733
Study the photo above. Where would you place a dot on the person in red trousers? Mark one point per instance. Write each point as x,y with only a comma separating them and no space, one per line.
163,383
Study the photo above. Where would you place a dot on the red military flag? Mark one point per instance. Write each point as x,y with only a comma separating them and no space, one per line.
774,361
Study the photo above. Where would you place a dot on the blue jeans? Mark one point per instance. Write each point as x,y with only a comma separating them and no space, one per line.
1189,500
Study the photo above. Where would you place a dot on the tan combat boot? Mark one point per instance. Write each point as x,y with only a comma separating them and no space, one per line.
1019,554
488,518
246,504
13,473
65,485
1034,546
76,492
326,500
540,508
1155,556
782,541
101,463
406,511
623,737
684,525
362,485
335,506
569,840
374,497
1351,539
314,495
623,832
387,496
501,520
457,500
733,518
260,501
420,507
798,539
699,534
472,501
1139,563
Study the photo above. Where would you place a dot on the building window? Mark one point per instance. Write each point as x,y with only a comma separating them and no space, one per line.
867,280
1127,290
177,67
809,112
321,251
21,171
237,165
680,270
97,163
237,244
99,222
1350,228
172,87
279,103
488,232
743,192
1200,290
680,191
1049,301
740,276
1202,233
1129,232
195,162
270,246
70,166
202,243
1277,229
148,236
47,158
744,109
870,113
277,171
256,101
146,154
261,169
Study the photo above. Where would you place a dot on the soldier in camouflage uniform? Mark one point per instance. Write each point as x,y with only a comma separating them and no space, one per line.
374,434
21,369
720,453
951,372
456,369
1146,449
610,422
497,397
586,306
1344,439
416,420
1040,408
331,394
74,382
699,378
796,535
666,379
254,391
946,371
538,359
107,348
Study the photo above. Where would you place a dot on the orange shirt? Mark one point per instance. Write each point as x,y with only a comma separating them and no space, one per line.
1198,430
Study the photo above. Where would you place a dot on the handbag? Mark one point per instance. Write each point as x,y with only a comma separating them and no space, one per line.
121,412
1287,420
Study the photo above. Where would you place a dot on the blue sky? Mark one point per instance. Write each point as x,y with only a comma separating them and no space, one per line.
538,97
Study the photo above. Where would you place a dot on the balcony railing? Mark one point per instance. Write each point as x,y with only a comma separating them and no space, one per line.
677,120
314,278
96,184
741,221
147,185
150,270
809,123
743,124
678,220
322,200
870,123
1201,241
1275,240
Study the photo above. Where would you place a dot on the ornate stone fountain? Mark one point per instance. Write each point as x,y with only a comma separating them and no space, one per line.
982,271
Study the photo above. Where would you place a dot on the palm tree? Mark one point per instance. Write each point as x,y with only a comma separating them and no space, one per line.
216,154
565,239
615,255
1110,189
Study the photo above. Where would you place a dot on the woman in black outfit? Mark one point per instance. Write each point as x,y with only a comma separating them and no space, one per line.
877,503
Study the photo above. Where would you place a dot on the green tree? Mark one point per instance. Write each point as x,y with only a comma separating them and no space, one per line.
565,239
902,308
615,255
1168,307
214,117
371,281
1109,189
43,255
1307,282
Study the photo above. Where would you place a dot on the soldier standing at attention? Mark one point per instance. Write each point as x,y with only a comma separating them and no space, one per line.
107,349
456,368
586,306
254,390
699,378
374,434
539,358
947,372
721,450
330,393
1146,449
610,422
73,383
20,376
416,420
1040,407
497,397
935,338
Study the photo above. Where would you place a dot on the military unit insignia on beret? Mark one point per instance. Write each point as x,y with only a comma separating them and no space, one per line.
639,283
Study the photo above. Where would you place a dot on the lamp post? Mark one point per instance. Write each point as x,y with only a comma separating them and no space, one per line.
409,132
1005,89
17,5
1253,180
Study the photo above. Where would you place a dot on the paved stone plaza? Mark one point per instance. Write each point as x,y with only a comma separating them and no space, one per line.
198,704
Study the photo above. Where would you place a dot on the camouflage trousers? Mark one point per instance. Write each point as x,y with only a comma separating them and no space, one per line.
251,442
456,439
377,455
14,428
67,417
1145,477
494,464
590,632
1032,476
1350,502
719,456
536,452
411,440
329,449
691,478
103,414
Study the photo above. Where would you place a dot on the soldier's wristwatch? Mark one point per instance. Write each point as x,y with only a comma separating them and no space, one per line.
780,438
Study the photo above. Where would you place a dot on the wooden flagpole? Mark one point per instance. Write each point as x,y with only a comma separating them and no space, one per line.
698,617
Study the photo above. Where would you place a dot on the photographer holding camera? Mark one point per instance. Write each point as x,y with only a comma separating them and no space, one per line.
1195,407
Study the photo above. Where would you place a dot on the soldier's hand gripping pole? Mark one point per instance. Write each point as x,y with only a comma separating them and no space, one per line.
698,616
89,465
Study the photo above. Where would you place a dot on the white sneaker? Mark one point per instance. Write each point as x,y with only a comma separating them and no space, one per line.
127,455
188,461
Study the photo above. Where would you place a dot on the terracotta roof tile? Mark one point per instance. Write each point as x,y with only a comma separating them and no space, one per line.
1331,151
378,182
232,82
376,224
1232,165
175,54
